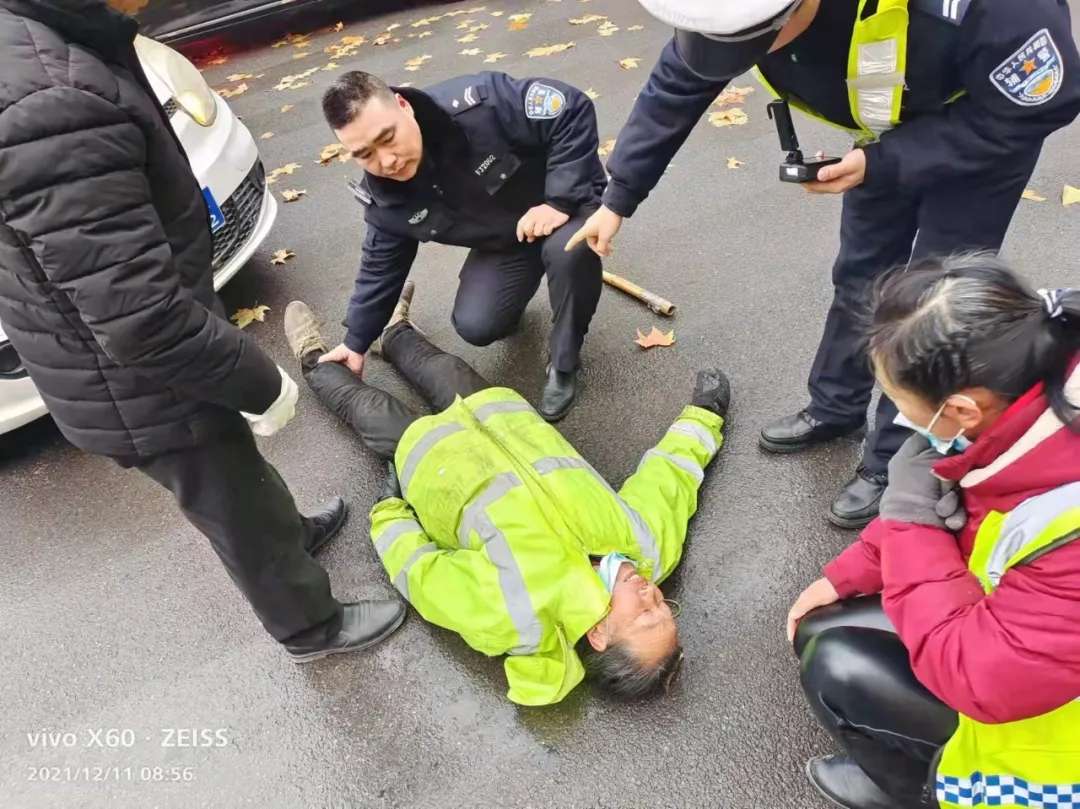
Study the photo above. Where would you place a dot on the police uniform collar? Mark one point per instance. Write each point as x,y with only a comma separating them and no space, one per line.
441,136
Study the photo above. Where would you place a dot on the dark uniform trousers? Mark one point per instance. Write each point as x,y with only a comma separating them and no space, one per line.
230,493
881,230
497,285
379,418
859,683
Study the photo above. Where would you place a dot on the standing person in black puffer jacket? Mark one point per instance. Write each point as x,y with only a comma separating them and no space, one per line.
106,292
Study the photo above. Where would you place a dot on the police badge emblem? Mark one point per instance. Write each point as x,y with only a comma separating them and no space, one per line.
1033,74
418,217
543,101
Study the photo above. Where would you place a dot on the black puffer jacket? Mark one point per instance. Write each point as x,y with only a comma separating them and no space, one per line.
106,287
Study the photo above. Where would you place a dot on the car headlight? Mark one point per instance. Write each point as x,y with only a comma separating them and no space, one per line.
189,89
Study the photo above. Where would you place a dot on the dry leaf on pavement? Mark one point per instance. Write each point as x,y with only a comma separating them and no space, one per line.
330,66
229,92
732,116
607,28
606,147
465,40
339,26
471,52
636,28
548,50
329,153
218,60
288,168
733,95
293,194
591,93
1070,195
239,77
630,62
588,18
286,107
423,34
497,13
281,256
1032,195
518,22
735,163
655,338
245,317
416,62
266,136
381,39
495,57
464,25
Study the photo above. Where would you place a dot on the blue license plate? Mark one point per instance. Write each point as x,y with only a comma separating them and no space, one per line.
217,218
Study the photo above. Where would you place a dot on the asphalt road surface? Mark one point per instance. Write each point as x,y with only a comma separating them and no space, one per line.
116,614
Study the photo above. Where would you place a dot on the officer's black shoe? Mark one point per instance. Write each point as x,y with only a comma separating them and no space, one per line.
363,624
559,394
840,780
327,524
857,504
801,431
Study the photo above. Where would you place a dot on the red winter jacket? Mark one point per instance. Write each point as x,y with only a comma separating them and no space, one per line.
1015,653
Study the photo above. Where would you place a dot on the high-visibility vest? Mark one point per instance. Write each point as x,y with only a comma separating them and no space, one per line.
500,516
877,63
1031,762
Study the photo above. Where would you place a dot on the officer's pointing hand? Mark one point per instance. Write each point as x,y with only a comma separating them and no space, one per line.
540,221
598,231
352,360
842,176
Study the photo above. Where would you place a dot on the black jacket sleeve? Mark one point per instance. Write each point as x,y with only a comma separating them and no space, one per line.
575,175
667,109
385,262
989,123
73,185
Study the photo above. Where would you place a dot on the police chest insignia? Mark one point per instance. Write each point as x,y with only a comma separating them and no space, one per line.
418,217
543,101
1033,74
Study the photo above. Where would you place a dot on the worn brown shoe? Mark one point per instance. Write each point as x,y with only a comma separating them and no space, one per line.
302,330
401,312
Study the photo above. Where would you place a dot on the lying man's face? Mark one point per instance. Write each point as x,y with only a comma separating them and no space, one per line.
385,138
639,618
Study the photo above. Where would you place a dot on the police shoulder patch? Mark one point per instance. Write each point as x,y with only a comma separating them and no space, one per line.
1034,74
951,11
543,101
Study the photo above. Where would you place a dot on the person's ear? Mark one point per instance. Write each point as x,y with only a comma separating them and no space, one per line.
598,637
963,411
406,107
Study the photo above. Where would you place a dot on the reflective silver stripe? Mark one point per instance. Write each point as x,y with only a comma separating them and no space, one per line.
423,446
697,432
391,534
642,535
685,464
401,580
484,412
1026,522
475,516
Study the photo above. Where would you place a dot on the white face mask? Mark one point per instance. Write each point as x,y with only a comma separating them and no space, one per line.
957,443
609,569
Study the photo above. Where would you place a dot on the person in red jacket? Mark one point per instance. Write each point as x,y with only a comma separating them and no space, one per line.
904,636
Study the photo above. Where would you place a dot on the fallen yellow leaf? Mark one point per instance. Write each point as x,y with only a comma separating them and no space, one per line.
518,25
266,136
636,28
288,168
734,163
286,107
606,147
733,95
417,61
588,18
494,57
630,62
471,52
227,92
465,25
655,338
330,152
423,34
732,116
591,93
218,60
467,39
521,17
330,66
548,50
607,28
293,194
281,256
381,39
1033,195
239,77
1070,195
497,13
245,317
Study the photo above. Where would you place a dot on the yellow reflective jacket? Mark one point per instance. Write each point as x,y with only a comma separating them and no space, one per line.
500,515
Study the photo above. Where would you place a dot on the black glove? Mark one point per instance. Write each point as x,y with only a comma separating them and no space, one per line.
712,391
391,487
915,494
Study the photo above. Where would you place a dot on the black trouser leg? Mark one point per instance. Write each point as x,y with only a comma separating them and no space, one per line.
575,280
377,417
232,495
862,689
438,376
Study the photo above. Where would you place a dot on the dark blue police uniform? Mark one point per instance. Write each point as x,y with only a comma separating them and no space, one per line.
947,178
494,147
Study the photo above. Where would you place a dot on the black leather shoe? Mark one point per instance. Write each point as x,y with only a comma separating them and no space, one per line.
559,394
363,624
328,521
857,504
841,781
801,431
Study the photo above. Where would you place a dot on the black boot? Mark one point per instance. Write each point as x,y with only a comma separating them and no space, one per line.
840,780
857,504
363,624
801,431
559,394
326,524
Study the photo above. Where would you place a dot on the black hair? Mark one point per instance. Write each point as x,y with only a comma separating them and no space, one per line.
969,321
346,97
617,670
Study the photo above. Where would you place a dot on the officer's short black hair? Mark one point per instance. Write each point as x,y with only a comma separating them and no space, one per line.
346,97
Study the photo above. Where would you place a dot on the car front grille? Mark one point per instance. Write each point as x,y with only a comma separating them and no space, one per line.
11,366
171,108
241,212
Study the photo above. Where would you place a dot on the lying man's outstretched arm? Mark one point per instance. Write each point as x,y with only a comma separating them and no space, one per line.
664,488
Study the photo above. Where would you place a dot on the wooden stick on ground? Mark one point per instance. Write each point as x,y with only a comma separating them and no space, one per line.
661,306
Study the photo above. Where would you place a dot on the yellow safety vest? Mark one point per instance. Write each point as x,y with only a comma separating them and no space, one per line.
1031,762
877,62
